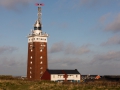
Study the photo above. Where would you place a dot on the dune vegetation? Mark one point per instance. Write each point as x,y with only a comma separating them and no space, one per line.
47,85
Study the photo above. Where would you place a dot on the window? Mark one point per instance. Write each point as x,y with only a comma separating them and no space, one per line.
30,67
30,76
31,62
41,57
53,76
31,57
31,45
41,62
76,75
41,72
30,72
41,68
35,28
40,50
31,50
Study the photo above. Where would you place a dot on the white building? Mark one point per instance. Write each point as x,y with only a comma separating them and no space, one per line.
62,75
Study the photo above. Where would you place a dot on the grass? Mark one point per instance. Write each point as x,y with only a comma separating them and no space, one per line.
47,85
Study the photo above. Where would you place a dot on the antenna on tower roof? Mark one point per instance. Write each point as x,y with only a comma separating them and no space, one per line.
39,10
39,4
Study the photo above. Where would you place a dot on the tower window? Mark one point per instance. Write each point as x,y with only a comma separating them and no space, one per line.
30,67
31,57
30,76
31,45
31,62
41,72
30,72
37,28
41,57
40,50
41,68
31,50
41,62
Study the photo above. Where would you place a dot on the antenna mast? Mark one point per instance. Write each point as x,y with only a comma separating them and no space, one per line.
39,13
39,10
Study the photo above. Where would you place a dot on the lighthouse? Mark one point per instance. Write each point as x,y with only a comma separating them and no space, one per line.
37,62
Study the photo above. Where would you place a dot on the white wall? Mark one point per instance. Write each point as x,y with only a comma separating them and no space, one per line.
37,39
55,77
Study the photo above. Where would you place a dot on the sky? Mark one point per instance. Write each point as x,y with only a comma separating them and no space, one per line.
83,35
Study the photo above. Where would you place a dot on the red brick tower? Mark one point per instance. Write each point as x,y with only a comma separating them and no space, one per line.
37,51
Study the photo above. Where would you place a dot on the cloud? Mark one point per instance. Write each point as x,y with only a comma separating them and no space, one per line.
107,57
93,3
7,49
57,47
72,49
13,65
69,48
64,62
103,18
114,26
102,64
77,4
8,61
112,41
105,63
14,4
